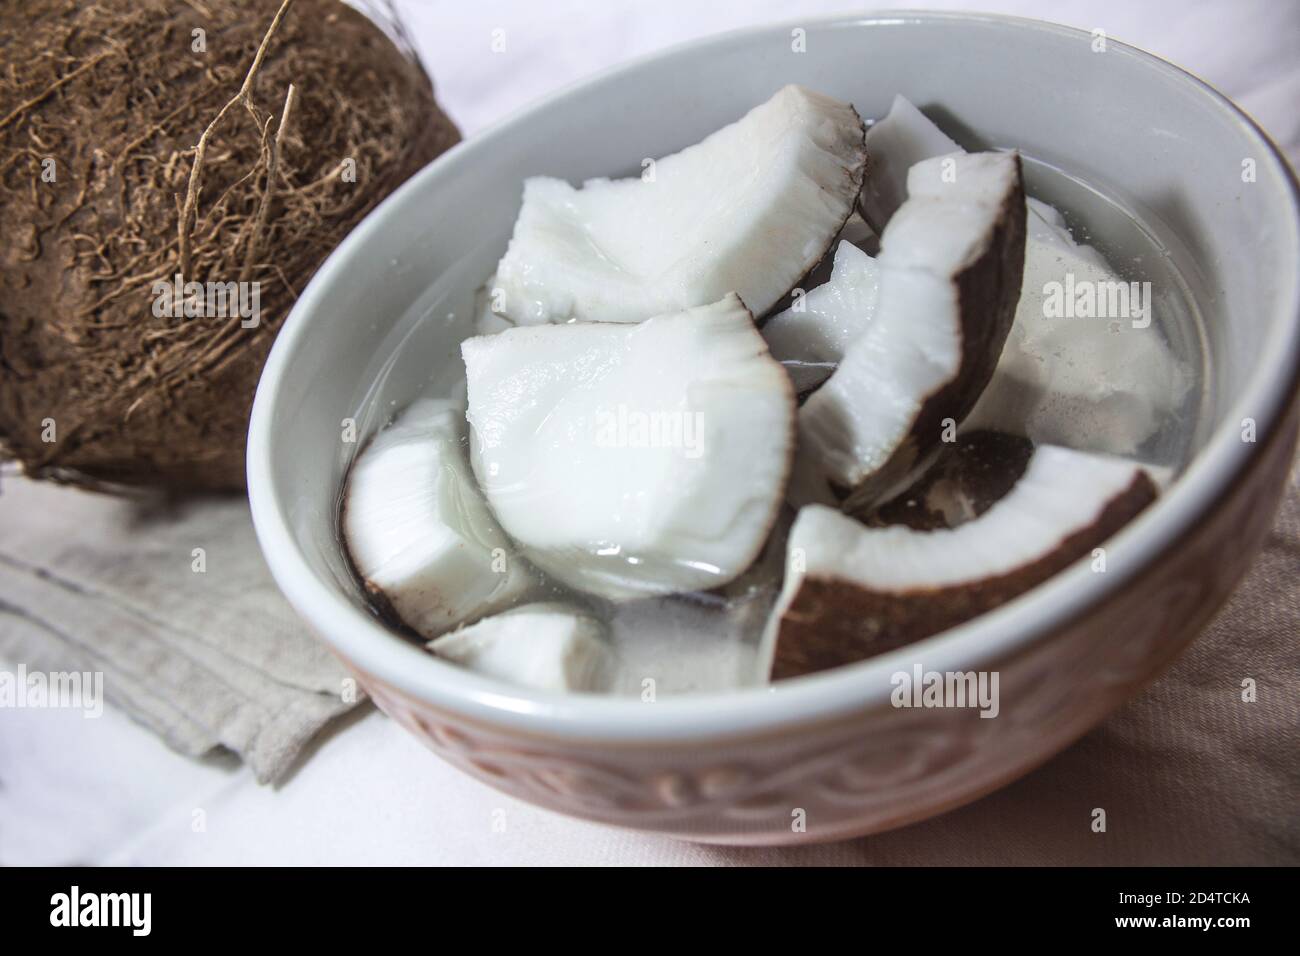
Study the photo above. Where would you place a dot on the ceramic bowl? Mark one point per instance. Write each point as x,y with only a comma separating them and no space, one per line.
824,756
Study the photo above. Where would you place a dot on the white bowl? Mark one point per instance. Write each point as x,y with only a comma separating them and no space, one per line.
826,750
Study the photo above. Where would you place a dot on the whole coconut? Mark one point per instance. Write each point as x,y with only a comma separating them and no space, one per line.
101,107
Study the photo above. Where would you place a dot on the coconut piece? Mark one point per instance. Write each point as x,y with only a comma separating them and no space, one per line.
1097,384
967,478
810,337
852,592
633,460
895,144
418,532
545,645
950,265
1101,384
749,209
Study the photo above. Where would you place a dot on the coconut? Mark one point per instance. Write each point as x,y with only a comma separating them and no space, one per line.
547,645
949,272
750,209
633,460
418,532
312,116
895,144
853,592
810,338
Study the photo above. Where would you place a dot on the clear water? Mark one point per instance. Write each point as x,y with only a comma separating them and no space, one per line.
708,641
1134,250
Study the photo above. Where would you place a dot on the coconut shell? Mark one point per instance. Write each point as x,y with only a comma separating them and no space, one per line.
832,621
112,98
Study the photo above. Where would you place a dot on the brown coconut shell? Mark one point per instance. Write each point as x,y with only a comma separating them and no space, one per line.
114,96
833,621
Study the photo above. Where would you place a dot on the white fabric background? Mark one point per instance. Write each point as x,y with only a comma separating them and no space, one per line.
80,791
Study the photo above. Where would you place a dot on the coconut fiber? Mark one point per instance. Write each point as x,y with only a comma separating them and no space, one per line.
102,106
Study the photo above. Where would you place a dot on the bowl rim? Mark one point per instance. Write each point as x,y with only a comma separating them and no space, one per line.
1038,614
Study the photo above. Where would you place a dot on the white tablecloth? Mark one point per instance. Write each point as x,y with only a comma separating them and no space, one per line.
74,790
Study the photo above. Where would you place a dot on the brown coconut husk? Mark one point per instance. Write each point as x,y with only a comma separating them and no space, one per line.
113,93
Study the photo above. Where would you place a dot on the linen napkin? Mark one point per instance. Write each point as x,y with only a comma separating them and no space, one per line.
171,601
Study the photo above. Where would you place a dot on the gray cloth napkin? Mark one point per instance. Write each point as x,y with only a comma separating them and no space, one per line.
173,603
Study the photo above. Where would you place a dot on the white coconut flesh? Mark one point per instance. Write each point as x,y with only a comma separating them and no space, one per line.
633,460
810,337
1096,384
949,271
895,144
750,209
856,591
418,531
548,646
